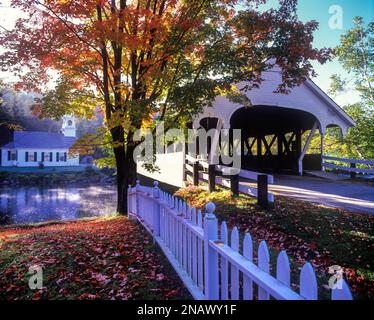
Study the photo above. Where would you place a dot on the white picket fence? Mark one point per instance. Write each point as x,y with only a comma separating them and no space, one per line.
211,266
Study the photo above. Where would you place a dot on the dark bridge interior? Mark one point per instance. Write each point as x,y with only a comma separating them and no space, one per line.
264,120
272,138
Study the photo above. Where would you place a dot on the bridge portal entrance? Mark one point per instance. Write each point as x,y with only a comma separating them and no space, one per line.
276,139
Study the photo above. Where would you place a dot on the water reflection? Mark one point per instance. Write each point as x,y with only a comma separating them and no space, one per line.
36,204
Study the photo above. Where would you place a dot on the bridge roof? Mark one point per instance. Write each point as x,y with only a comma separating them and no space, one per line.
307,97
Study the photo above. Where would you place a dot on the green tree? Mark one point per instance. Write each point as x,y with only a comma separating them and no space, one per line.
356,54
360,139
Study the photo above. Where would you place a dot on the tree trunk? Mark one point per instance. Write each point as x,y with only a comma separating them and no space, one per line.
126,170
126,175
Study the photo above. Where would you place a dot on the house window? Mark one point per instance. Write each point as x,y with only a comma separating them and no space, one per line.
12,155
61,156
31,157
46,156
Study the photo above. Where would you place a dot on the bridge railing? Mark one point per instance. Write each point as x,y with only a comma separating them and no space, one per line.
335,163
211,261
229,177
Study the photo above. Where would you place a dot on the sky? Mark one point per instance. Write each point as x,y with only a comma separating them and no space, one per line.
318,10
325,36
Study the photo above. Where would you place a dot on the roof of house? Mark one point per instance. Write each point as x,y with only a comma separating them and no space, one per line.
39,139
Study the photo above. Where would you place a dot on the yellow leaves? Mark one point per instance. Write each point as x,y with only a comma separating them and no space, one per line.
148,121
233,93
229,89
63,1
11,126
119,118
86,144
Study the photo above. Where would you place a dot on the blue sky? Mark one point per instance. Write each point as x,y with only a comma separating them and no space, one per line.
326,37
308,10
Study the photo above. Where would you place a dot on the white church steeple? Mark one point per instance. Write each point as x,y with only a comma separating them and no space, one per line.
68,126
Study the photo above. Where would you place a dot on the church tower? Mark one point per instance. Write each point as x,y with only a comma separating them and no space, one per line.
68,126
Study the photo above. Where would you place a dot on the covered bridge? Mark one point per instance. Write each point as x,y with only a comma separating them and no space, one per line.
278,128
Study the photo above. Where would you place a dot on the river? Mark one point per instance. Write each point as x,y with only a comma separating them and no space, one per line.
20,205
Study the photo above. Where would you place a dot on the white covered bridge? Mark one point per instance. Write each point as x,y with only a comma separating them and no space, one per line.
276,132
277,129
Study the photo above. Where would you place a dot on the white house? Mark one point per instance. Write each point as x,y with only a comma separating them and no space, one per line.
31,148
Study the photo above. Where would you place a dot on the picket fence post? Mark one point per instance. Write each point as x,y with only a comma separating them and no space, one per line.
248,254
137,189
264,265
308,283
130,204
283,269
234,270
129,200
224,265
156,210
342,293
211,256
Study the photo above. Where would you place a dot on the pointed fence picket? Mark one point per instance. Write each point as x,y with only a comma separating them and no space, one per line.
200,252
342,293
264,265
308,283
234,268
210,266
248,254
283,269
224,265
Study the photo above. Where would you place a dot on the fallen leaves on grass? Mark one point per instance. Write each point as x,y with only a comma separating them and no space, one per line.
97,259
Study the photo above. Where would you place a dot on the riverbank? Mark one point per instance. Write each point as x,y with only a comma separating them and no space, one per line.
54,176
102,258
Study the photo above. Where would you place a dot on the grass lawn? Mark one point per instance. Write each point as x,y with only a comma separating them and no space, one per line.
105,258
308,232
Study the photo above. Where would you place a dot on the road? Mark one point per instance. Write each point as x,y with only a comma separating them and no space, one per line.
356,197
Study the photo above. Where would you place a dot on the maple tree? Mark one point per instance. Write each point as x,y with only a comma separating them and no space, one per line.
144,58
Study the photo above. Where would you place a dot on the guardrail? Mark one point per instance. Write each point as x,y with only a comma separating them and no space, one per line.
352,169
210,265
